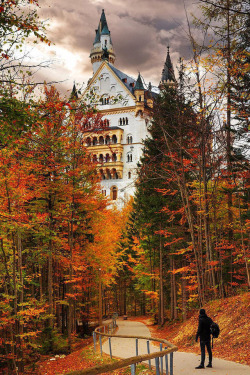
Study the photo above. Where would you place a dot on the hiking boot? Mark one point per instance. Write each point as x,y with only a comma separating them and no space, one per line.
200,366
209,365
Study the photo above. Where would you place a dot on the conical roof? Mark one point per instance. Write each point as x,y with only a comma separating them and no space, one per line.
168,70
139,84
102,28
74,94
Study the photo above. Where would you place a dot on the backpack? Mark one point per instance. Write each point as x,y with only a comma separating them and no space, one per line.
214,330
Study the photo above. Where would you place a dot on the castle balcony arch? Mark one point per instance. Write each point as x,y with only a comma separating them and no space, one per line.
101,158
107,140
107,158
114,139
114,157
88,142
101,140
95,142
108,174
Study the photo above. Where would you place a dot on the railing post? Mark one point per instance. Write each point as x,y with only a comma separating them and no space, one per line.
133,367
94,339
110,347
171,363
166,362
161,359
149,361
100,339
136,347
157,367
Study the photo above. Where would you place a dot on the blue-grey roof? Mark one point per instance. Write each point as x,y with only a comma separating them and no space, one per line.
122,76
102,28
168,70
105,30
139,84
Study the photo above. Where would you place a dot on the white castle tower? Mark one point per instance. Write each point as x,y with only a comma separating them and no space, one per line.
126,106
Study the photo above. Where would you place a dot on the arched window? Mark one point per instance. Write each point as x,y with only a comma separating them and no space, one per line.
126,121
114,139
129,174
123,121
120,121
140,98
129,157
129,139
94,141
107,158
88,141
113,193
107,140
114,157
94,158
108,175
101,158
101,140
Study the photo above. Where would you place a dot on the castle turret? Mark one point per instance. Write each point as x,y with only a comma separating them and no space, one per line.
139,93
167,77
102,46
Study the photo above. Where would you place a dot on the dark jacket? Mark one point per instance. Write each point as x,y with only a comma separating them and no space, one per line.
204,328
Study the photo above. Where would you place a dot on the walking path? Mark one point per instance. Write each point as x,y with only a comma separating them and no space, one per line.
184,363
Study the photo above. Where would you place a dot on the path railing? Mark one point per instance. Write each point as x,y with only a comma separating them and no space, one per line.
159,356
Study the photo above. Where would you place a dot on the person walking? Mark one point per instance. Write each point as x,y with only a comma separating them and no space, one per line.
204,333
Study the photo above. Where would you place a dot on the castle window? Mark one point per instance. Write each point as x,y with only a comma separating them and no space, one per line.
129,174
101,140
107,140
94,158
140,98
120,121
101,158
129,157
113,193
114,139
129,139
107,158
94,141
123,121
114,157
88,141
126,121
105,42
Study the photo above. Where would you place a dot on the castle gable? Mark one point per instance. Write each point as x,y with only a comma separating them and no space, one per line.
111,88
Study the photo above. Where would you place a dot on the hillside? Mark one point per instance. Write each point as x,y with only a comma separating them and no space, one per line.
232,315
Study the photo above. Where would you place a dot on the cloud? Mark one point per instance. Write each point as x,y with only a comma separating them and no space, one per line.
140,31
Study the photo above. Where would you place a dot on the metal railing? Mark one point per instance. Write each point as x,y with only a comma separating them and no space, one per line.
107,331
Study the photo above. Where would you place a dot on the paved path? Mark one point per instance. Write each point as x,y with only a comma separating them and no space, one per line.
184,363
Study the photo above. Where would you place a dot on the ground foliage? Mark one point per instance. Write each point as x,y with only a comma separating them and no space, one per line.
232,315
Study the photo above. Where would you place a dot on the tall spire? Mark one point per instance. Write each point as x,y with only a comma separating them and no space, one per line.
139,84
102,46
168,76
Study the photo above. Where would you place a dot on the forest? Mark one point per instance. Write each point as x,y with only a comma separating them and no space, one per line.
180,242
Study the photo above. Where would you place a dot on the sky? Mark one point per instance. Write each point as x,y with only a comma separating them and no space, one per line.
140,30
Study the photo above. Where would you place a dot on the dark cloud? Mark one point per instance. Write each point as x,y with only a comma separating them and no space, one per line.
140,30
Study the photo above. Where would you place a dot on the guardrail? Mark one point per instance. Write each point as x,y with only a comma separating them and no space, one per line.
132,361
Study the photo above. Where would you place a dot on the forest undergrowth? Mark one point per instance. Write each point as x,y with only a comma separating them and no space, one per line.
232,315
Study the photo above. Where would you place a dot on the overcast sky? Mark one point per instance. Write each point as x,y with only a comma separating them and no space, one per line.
140,32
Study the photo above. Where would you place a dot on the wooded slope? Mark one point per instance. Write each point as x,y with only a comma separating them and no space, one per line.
232,315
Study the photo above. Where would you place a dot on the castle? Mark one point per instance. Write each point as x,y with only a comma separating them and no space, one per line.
126,106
